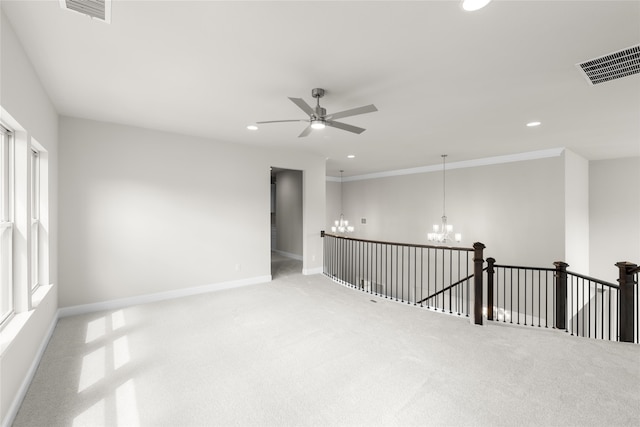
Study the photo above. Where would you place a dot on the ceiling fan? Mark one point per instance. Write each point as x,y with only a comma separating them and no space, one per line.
318,117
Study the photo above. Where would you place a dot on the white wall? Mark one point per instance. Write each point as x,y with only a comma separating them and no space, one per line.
576,221
25,104
333,203
516,209
145,212
289,212
614,206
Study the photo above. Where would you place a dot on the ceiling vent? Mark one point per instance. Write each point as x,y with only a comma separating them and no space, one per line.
95,9
612,66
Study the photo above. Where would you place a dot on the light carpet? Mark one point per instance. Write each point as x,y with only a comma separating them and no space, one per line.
304,351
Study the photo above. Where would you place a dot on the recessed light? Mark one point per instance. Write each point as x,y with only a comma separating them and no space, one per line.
252,127
351,156
471,5
533,124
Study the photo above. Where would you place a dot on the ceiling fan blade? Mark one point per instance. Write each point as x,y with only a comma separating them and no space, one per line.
281,121
305,132
344,126
354,112
303,105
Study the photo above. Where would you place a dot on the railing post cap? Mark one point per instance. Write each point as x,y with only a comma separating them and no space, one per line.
491,260
561,264
626,264
478,245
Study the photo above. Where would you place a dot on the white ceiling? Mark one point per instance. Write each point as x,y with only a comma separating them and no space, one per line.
444,80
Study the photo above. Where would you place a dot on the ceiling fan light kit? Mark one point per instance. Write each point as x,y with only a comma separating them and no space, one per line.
319,119
318,124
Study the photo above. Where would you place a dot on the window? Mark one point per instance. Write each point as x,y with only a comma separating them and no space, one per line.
35,219
6,226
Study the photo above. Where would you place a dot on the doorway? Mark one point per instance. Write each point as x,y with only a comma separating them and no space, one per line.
286,222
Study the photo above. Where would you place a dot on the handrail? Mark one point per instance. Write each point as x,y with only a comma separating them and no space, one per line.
448,287
592,279
411,245
580,276
520,267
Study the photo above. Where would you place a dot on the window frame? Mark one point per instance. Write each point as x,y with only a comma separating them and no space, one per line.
7,285
34,158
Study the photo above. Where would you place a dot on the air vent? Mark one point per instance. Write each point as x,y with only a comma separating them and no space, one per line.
612,66
96,9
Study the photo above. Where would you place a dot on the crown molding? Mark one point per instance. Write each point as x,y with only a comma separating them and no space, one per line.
487,161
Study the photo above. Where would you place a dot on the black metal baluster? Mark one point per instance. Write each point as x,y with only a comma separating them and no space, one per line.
584,328
331,255
573,302
595,311
335,259
396,289
386,270
517,297
511,305
539,295
524,273
402,274
370,271
375,269
415,276
366,267
421,274
609,321
616,307
457,299
468,295
576,316
443,283
553,298
589,312
546,299
336,267
533,300
497,280
428,274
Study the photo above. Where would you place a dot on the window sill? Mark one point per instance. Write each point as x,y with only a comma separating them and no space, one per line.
39,295
12,329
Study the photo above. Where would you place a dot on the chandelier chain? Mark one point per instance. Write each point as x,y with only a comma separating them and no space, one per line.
444,156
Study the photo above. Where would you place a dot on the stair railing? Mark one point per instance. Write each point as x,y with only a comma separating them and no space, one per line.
554,297
436,277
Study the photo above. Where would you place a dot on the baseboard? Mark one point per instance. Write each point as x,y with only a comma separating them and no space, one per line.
22,391
312,271
288,254
160,296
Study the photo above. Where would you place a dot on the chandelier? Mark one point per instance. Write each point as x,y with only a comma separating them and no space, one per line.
342,225
442,232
